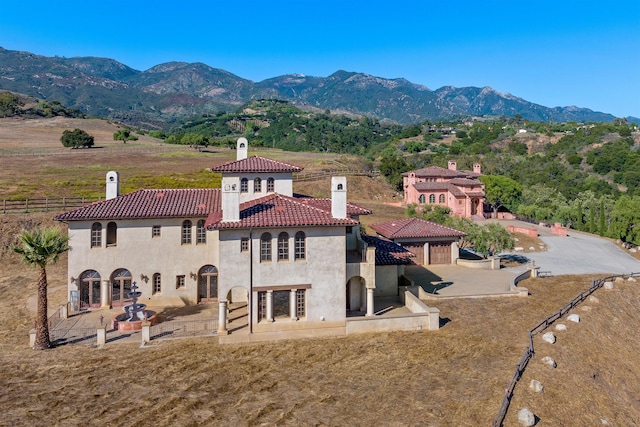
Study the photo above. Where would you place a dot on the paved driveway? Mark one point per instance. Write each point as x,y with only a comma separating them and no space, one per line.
581,253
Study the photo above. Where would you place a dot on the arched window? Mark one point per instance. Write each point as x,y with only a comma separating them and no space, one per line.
157,283
201,232
432,198
339,186
257,185
441,198
96,235
207,283
271,185
89,286
112,234
422,199
300,246
265,247
186,232
244,185
283,246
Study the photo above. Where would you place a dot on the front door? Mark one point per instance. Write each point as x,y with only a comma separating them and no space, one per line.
208,283
120,287
89,289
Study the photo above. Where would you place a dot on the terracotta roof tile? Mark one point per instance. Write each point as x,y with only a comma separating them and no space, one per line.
414,228
168,203
437,172
255,164
387,252
324,203
276,210
439,186
465,182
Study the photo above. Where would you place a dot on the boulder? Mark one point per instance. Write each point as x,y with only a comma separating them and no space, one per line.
574,318
549,337
586,308
593,299
526,417
619,279
631,279
549,361
608,285
561,327
536,386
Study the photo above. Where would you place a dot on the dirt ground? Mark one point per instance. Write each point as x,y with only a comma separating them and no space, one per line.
452,377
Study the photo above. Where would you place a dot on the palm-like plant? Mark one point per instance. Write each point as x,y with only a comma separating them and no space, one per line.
39,248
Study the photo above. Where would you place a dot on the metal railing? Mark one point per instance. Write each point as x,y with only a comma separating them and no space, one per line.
538,329
183,328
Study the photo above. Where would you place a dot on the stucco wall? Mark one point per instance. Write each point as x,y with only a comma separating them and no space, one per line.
386,280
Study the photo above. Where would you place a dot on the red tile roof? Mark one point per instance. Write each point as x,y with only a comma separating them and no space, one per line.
352,209
414,228
171,203
437,172
387,252
439,186
466,182
276,210
255,164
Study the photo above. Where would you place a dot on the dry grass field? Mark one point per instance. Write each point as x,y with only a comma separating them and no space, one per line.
452,377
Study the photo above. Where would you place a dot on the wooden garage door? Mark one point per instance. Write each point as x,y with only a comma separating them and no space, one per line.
440,253
418,251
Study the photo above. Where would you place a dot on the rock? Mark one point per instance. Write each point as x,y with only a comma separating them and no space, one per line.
536,386
574,318
526,417
518,249
586,308
593,299
515,239
531,248
633,250
549,337
561,327
549,361
608,285
631,279
619,279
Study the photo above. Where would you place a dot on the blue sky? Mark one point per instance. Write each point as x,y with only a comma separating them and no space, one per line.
554,53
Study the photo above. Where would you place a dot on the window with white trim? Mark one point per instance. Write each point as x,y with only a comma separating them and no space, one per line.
265,247
157,283
96,235
186,232
283,246
271,185
300,246
257,185
201,232
244,185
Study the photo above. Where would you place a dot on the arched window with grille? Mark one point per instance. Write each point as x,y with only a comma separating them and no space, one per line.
244,185
96,235
300,246
257,185
186,232
283,246
157,283
441,198
422,199
201,232
271,185
432,198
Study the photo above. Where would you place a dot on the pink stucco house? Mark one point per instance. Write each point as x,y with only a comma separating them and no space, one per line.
459,190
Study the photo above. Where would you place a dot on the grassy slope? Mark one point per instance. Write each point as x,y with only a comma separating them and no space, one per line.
452,377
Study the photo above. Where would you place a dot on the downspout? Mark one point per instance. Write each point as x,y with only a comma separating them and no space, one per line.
250,302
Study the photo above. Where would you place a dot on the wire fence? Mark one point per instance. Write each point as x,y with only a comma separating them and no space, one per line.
183,328
44,205
538,329
312,176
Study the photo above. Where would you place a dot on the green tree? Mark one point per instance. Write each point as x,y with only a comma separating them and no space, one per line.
501,191
76,138
9,104
39,248
124,135
392,167
625,219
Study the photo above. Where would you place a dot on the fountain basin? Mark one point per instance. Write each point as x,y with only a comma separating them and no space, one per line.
121,322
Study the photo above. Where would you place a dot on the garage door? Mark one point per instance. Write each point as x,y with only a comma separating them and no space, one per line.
418,251
440,253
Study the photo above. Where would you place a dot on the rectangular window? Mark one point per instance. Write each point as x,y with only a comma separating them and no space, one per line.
262,305
244,244
300,303
201,232
265,248
283,247
155,231
180,284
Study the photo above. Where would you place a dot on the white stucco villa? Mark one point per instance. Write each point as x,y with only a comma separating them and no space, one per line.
300,264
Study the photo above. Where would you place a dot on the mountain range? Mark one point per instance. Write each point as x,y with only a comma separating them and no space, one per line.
171,91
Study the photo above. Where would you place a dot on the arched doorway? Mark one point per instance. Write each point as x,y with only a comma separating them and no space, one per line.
89,289
120,287
356,295
475,205
208,284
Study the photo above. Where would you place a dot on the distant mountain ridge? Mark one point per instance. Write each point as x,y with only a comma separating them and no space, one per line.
107,88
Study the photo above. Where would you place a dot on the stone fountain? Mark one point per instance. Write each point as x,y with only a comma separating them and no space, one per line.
134,314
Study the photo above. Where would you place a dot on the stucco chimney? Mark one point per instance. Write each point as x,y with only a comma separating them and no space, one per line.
113,185
477,168
453,165
230,199
242,149
339,197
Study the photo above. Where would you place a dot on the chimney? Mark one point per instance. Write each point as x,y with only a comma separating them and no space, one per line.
453,165
339,197
113,185
230,199
477,168
242,149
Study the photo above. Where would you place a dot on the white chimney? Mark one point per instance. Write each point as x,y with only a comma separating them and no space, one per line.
477,168
339,197
230,199
113,185
453,165
242,149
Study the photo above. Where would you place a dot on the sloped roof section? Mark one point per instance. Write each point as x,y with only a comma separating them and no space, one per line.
255,164
437,172
276,210
387,252
323,203
414,228
168,203
439,186
466,182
